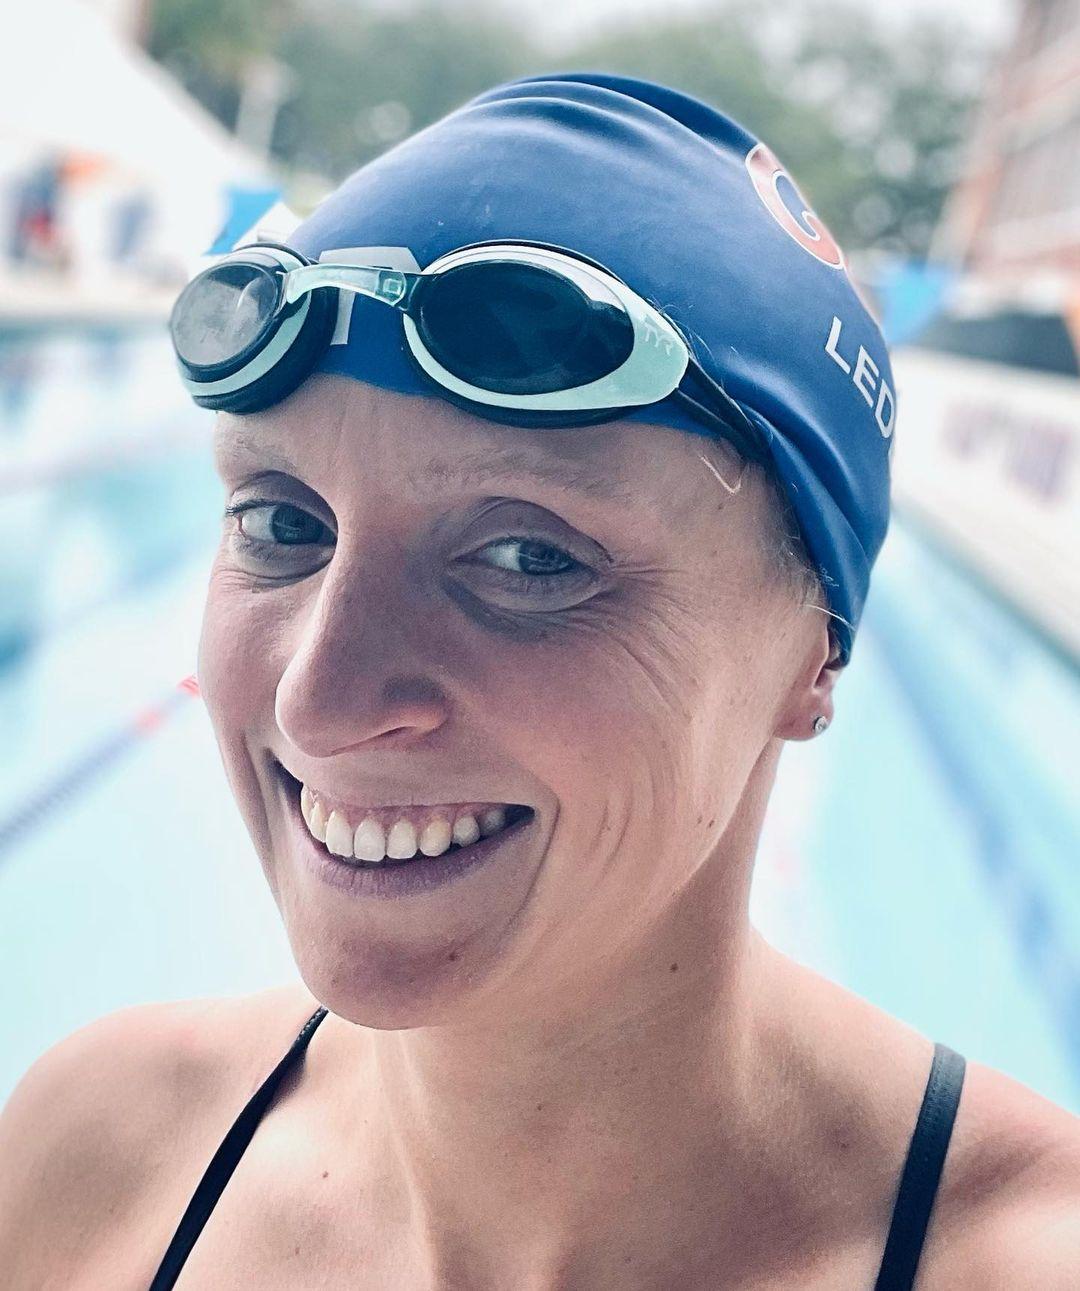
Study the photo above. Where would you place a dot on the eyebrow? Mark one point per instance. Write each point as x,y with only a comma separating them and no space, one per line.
234,448
470,468
494,465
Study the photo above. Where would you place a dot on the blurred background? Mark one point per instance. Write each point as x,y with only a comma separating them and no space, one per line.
924,853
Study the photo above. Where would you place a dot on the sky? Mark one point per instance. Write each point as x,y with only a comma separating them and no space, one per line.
559,18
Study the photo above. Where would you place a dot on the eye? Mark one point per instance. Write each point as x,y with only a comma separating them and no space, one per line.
529,566
264,527
530,557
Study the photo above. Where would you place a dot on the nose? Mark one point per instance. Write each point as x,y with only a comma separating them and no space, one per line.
365,671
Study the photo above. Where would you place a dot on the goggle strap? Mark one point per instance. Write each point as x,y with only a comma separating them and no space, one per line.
748,444
733,411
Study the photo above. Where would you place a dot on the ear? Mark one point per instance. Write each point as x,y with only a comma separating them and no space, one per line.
810,695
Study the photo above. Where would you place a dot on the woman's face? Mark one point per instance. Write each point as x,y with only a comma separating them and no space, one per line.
425,607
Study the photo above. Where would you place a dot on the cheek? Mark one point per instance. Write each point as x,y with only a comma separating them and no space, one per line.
238,664
661,710
601,712
731,722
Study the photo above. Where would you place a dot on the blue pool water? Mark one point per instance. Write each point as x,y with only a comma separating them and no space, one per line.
921,853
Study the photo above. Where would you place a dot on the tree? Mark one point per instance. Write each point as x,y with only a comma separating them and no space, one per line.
899,98
367,79
868,115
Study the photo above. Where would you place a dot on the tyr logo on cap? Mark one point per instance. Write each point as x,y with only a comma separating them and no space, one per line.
803,225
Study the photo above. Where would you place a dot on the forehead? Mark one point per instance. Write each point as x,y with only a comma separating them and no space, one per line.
334,424
453,465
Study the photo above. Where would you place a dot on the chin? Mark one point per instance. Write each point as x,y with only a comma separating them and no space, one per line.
382,987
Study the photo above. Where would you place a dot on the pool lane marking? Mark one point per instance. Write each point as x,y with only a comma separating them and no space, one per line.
1043,943
144,723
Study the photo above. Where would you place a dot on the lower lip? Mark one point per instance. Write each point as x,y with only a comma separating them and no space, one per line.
402,878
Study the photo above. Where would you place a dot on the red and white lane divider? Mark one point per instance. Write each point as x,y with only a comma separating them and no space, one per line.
81,773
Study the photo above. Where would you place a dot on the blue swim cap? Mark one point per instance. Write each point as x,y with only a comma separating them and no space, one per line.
696,215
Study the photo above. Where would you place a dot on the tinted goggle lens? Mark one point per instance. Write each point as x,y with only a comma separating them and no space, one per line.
223,315
518,328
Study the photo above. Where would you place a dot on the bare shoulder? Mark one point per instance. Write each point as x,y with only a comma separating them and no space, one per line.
97,1119
1015,1222
1007,1211
1031,1146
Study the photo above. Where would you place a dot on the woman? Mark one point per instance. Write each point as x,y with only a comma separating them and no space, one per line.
501,650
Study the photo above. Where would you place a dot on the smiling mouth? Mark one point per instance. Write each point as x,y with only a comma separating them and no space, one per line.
381,838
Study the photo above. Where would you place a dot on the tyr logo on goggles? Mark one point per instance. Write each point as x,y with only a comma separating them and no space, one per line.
525,333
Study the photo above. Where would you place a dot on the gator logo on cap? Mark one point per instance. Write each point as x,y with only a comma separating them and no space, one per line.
777,189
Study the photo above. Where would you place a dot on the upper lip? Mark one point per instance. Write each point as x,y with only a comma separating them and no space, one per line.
347,799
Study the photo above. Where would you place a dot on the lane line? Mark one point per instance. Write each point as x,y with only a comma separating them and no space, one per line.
143,724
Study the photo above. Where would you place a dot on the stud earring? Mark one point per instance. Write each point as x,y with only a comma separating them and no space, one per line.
820,723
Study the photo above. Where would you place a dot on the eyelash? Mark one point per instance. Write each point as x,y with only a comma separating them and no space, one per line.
258,547
535,584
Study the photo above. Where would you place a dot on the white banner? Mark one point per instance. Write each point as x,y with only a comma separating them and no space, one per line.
989,457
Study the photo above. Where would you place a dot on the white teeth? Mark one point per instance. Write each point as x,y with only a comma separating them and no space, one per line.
401,840
466,830
369,841
492,820
436,838
339,835
317,823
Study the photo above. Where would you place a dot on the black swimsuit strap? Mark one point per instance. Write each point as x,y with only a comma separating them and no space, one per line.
224,1162
903,1246
922,1171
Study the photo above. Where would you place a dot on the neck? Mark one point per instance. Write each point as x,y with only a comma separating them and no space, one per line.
648,1112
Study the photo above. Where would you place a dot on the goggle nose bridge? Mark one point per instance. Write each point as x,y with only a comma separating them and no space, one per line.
391,286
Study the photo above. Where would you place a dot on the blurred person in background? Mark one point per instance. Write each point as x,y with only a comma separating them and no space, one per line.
34,237
556,443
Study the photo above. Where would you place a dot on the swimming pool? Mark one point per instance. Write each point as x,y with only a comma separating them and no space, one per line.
922,853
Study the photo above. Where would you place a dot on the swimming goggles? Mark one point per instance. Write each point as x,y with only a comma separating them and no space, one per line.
522,332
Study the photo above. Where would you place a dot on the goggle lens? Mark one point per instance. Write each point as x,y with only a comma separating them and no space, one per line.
518,328
223,314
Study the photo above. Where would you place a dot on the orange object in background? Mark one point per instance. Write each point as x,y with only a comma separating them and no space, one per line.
77,166
1071,312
